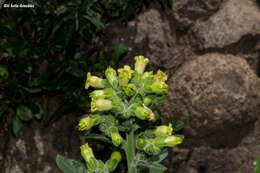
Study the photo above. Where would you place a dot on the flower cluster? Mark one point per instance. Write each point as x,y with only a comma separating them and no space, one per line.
98,166
152,141
124,96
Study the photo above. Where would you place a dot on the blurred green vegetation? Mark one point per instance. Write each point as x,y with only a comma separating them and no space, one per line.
45,51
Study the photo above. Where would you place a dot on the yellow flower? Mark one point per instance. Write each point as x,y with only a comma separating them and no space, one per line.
94,81
114,160
101,105
163,130
111,77
159,88
125,75
140,64
116,139
86,152
144,113
160,76
88,122
172,141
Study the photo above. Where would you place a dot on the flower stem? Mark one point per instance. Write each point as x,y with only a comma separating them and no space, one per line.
129,149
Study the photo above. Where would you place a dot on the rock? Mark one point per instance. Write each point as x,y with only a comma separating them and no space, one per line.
186,12
149,34
155,30
235,20
214,95
37,147
205,159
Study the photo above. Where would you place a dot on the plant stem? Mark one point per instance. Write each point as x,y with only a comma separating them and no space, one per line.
130,152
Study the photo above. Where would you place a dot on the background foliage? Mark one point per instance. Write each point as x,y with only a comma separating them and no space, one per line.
45,51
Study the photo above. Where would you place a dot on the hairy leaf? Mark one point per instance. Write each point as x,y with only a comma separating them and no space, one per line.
69,165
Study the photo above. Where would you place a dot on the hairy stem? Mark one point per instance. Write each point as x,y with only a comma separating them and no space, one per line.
130,152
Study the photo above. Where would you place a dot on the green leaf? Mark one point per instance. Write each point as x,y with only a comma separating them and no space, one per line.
95,21
61,10
159,158
24,113
16,126
178,125
3,73
102,138
69,165
37,110
154,167
119,50
32,90
257,168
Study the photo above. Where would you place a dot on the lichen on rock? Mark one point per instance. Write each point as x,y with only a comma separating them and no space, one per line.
214,94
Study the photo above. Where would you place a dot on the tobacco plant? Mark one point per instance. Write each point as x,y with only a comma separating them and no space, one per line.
124,112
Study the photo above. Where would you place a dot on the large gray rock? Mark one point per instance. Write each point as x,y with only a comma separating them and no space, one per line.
186,12
149,34
214,95
235,20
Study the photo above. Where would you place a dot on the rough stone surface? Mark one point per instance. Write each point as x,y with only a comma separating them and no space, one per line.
36,149
150,34
235,20
186,12
208,160
214,95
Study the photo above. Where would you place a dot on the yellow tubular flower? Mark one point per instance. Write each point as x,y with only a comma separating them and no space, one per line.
86,152
94,81
125,75
97,94
160,76
140,64
101,105
144,113
111,76
159,88
163,130
172,141
114,160
88,122
116,139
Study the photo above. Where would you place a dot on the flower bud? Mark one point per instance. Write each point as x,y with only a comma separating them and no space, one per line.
116,139
163,130
111,77
147,74
172,141
140,64
125,75
129,89
94,81
148,101
101,105
160,76
86,152
144,113
88,122
159,88
114,160
140,143
97,94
